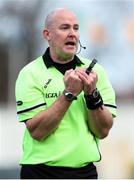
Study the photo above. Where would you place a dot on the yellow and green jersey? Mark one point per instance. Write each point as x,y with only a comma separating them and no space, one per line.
72,144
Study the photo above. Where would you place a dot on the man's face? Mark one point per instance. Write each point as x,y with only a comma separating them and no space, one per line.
64,35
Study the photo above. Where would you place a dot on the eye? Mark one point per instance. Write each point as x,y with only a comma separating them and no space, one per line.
76,28
64,27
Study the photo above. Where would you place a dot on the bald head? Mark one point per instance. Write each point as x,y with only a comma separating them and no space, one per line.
62,33
50,19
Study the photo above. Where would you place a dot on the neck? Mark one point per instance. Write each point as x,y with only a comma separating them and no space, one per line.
62,58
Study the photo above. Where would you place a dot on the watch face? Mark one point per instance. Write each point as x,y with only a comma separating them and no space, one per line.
69,96
95,94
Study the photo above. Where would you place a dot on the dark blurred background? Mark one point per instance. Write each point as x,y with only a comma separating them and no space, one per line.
107,30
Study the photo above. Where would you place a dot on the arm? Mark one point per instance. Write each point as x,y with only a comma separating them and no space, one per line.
42,124
45,122
100,122
100,119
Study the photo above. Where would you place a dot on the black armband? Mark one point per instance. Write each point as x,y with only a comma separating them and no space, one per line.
94,100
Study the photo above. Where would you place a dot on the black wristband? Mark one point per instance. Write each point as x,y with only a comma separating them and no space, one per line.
94,100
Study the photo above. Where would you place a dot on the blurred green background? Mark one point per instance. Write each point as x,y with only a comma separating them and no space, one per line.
107,31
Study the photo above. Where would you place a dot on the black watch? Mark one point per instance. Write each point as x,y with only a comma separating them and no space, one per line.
69,96
94,100
95,94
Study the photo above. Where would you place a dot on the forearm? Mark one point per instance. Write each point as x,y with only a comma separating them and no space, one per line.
100,122
48,120
41,125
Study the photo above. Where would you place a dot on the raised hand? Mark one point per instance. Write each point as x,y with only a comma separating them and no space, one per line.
73,83
89,81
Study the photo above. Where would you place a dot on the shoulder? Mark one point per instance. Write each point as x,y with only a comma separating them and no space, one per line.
32,72
33,65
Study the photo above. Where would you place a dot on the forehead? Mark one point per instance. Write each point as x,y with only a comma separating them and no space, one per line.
65,17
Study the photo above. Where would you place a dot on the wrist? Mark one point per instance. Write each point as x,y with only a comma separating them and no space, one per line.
69,96
94,100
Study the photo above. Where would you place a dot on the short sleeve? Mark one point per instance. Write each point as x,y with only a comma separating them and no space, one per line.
106,90
29,95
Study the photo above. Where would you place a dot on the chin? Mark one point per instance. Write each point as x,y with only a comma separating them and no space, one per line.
67,53
71,52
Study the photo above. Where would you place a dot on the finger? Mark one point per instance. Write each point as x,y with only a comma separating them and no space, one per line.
69,71
94,76
82,77
82,73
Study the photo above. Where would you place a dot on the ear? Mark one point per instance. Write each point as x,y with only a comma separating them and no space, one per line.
46,34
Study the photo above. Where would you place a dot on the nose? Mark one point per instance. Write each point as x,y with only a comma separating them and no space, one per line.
72,33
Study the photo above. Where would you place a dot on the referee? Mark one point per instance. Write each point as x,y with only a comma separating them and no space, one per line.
65,110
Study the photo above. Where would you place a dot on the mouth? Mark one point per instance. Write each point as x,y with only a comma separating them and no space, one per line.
70,44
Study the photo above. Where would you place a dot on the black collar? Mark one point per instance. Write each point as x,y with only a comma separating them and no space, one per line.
49,62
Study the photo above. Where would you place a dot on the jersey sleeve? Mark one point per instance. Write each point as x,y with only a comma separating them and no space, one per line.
29,95
106,90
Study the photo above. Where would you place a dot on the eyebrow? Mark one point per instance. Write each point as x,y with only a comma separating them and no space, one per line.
69,25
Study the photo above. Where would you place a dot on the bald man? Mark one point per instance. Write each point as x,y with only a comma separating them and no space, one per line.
66,110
